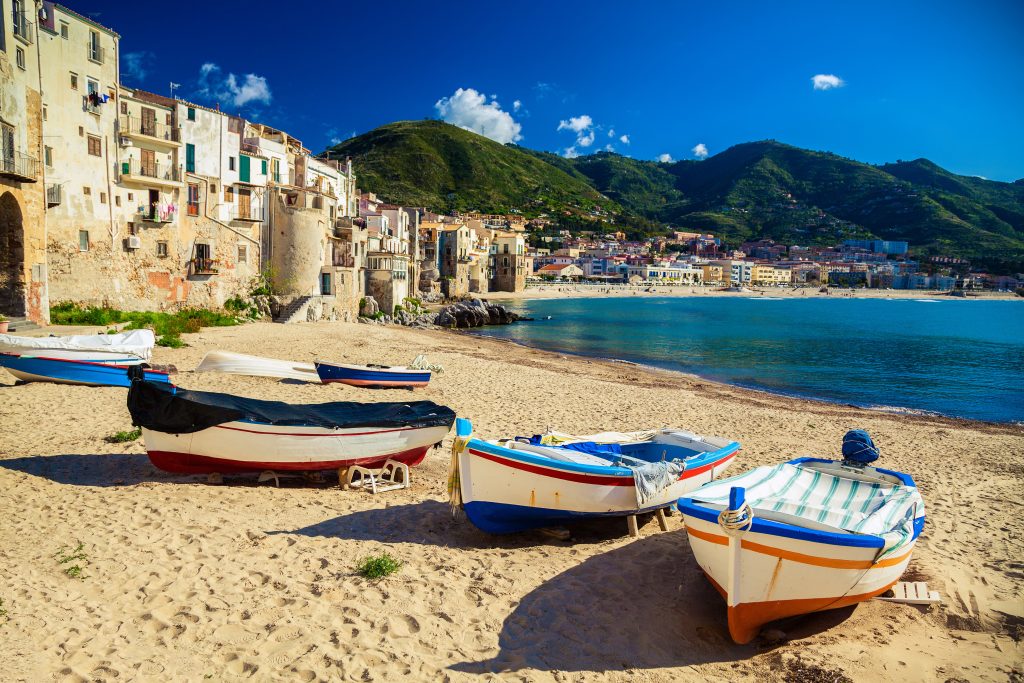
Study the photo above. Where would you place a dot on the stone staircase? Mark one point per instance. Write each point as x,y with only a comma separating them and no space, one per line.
295,311
21,324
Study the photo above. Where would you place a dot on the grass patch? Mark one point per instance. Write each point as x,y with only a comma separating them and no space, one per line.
171,341
3,610
378,566
72,561
164,324
123,437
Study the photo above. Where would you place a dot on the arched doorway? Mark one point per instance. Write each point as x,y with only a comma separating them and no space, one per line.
12,256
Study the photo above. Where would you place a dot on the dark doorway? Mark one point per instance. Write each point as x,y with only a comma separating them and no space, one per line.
12,256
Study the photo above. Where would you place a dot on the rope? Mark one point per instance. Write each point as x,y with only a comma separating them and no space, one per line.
454,477
736,522
421,363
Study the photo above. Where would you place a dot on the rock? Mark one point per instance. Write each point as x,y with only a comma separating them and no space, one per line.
773,635
368,307
473,313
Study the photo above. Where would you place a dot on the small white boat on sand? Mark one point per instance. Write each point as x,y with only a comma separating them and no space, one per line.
92,360
257,366
803,536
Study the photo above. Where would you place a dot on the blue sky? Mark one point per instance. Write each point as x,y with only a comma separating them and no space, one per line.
897,80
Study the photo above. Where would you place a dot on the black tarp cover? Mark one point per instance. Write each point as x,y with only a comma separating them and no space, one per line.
165,408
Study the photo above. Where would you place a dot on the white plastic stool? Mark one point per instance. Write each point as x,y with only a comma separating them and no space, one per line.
394,475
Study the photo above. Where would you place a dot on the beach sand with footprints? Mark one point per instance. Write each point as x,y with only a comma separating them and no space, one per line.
184,580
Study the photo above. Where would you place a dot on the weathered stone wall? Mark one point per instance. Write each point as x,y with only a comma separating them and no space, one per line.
298,239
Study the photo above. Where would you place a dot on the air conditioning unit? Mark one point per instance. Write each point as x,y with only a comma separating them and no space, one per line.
124,140
133,242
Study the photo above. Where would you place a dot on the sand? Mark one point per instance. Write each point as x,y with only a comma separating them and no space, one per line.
191,581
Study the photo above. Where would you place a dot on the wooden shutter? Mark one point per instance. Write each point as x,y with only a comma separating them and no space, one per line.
243,169
148,121
190,157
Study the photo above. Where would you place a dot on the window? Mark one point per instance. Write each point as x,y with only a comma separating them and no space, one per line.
44,112
87,191
131,196
95,51
103,197
64,30
231,163
277,170
48,155
117,200
191,113
263,166
229,194
161,249
213,188
124,107
95,146
81,131
193,199
167,119
19,55
190,157
243,253
83,240
74,81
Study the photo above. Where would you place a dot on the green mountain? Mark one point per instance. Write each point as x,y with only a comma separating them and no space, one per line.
751,190
447,168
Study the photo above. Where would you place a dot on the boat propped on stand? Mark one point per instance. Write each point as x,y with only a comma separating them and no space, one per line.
204,432
804,536
94,360
513,485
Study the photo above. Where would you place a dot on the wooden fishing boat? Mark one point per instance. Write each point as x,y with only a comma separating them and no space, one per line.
94,360
257,366
372,375
204,432
803,536
518,484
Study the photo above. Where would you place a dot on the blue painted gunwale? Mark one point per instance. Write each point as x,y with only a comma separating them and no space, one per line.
329,372
688,506
580,468
86,372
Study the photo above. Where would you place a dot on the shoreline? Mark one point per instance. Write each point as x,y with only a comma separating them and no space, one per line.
186,580
604,291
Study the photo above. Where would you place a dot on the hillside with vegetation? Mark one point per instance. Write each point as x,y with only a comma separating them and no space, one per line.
751,190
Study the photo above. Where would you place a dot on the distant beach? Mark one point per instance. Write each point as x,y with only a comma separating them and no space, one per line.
191,581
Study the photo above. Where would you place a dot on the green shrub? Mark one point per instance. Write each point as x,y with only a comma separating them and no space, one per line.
378,566
171,341
162,323
123,437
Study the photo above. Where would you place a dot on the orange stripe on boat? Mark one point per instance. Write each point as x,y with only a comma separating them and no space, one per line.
815,560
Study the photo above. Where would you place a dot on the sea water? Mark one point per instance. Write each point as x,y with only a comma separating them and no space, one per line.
962,358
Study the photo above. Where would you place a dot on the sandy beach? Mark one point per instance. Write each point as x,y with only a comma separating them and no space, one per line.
566,291
186,580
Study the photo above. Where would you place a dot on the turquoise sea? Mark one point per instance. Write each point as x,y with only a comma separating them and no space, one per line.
953,357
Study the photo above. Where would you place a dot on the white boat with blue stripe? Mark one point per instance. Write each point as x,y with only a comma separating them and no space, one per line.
548,480
93,360
803,536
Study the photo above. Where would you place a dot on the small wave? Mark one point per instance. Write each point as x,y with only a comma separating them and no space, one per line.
928,301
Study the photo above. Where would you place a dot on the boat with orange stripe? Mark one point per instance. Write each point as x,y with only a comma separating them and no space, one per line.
804,536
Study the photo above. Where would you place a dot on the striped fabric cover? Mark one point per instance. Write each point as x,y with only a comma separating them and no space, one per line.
886,510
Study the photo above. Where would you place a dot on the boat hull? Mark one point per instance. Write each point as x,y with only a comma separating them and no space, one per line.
505,492
256,447
73,371
361,376
784,572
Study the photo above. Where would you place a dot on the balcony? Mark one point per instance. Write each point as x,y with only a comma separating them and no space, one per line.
150,131
54,195
252,213
96,53
203,266
250,146
19,166
134,171
23,27
152,215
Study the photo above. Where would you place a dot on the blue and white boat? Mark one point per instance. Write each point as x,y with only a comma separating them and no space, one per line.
807,535
372,375
94,360
518,484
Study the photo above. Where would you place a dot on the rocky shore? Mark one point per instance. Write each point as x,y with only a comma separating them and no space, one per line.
461,315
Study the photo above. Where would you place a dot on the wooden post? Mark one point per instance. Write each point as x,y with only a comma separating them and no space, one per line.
662,522
631,523
343,478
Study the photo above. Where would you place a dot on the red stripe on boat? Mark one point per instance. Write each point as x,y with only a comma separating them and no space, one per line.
84,362
192,463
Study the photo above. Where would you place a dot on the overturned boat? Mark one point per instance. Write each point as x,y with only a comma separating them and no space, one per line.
94,360
205,432
513,485
804,536
257,366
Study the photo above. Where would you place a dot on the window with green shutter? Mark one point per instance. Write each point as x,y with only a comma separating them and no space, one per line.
243,169
263,165
190,157
191,113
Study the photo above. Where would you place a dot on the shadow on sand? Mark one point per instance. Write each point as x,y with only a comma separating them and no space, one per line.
644,605
430,522
93,469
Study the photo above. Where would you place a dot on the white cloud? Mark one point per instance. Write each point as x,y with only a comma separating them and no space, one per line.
570,153
700,150
611,132
136,64
470,109
665,158
624,139
609,147
517,105
214,85
827,81
585,139
576,124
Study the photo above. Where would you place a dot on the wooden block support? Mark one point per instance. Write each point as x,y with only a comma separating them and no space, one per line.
631,523
343,478
662,522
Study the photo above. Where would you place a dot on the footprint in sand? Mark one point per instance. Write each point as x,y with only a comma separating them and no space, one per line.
403,625
234,634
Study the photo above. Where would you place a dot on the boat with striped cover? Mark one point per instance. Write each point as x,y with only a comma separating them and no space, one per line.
803,536
203,432
93,360
372,375
514,485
